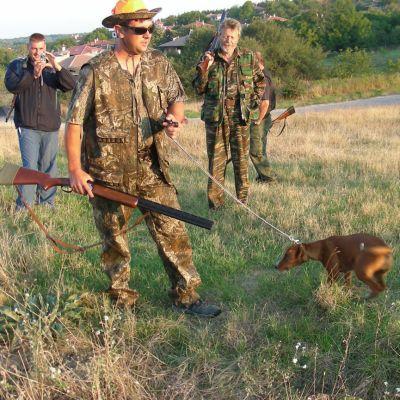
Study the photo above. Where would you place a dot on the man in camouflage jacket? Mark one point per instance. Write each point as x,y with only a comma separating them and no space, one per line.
232,86
122,100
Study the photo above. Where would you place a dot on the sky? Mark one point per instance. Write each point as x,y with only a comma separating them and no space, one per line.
20,18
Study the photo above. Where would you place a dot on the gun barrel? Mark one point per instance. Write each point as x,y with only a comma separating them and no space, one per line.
12,174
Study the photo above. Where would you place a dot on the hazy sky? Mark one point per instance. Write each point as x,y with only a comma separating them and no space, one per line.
23,17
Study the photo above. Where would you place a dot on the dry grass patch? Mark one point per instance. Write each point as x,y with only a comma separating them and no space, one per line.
339,174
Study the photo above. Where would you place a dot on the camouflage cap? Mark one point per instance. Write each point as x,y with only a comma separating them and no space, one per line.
126,10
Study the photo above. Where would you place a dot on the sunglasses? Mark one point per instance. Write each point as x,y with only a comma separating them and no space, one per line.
139,30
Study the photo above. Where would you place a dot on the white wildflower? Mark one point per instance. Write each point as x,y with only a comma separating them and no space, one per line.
398,390
298,345
294,360
304,366
97,333
385,383
106,318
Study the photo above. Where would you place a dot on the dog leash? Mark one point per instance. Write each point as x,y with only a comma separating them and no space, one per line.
62,247
247,208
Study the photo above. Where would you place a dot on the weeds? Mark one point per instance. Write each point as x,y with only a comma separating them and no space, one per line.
337,175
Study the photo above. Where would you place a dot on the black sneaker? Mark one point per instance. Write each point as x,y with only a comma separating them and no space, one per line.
266,179
219,207
199,308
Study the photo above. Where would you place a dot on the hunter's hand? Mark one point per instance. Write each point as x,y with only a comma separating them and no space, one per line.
171,126
79,182
51,61
210,57
38,67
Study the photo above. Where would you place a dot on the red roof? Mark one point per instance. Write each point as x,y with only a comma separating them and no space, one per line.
75,62
100,43
82,49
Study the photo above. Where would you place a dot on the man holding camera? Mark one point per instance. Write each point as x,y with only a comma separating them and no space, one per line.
34,81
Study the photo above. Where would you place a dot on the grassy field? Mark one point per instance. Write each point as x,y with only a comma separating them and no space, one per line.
280,336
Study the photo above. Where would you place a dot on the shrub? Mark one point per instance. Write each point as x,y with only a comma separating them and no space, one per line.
351,62
393,65
286,54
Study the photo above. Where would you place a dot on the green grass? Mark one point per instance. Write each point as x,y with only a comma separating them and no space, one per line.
338,178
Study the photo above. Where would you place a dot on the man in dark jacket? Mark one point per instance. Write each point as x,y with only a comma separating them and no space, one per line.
34,81
260,127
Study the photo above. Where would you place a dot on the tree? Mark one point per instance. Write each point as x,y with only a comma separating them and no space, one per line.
247,13
189,17
286,54
59,43
169,21
6,56
98,33
185,63
345,27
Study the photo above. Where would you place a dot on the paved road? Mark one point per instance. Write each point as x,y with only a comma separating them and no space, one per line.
390,100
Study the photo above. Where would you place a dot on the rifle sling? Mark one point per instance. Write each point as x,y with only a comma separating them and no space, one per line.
282,129
62,247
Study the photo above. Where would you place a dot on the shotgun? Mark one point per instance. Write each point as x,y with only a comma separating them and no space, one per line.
285,114
12,174
213,45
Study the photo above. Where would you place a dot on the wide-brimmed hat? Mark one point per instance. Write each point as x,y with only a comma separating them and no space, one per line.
126,10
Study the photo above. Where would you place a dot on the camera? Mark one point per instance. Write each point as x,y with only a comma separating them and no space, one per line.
43,57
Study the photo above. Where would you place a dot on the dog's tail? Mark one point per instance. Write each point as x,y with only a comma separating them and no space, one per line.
378,250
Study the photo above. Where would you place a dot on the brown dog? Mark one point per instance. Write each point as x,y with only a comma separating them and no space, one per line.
368,256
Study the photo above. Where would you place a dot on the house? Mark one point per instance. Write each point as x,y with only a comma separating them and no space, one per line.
174,46
83,49
199,24
214,16
102,44
275,18
74,63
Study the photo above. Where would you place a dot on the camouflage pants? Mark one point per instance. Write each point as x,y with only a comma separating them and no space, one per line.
220,137
168,233
258,146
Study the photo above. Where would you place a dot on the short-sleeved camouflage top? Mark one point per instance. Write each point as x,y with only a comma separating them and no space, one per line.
122,114
84,95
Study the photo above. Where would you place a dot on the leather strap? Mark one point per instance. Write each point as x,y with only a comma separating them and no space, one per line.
62,247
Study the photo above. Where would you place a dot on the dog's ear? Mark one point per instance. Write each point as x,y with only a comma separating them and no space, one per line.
301,252
298,250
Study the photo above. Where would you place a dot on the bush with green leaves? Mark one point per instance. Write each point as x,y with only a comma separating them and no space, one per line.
286,54
351,62
393,65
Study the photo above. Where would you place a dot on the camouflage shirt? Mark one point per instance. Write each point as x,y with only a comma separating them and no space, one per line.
241,79
122,114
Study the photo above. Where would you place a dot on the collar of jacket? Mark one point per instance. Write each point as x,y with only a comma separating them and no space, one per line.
236,53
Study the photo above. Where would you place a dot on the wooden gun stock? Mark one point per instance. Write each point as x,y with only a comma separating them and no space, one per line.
14,175
285,114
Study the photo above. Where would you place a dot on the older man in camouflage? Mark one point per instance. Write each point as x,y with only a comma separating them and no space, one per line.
232,84
122,100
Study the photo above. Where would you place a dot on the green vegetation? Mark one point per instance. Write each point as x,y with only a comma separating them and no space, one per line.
320,42
281,335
